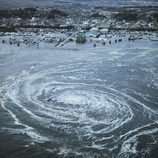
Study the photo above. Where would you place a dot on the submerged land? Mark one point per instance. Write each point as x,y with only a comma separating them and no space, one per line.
62,24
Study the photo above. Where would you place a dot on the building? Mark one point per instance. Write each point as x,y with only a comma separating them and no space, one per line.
94,34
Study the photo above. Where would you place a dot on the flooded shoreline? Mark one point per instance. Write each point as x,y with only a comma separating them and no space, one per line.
94,102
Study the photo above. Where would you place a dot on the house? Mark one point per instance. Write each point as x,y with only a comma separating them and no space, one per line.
106,25
104,31
94,29
94,34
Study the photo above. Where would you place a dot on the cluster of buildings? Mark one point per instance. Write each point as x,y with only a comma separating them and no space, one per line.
96,24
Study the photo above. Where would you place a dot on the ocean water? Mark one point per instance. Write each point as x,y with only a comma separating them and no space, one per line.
95,102
29,3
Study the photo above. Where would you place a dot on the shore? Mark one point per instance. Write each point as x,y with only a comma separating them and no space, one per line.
59,103
61,25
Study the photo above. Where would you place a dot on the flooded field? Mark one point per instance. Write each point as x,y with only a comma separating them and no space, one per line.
85,103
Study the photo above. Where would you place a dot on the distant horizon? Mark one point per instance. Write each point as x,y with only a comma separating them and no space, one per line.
46,3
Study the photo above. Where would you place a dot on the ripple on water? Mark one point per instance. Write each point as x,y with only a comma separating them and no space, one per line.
88,113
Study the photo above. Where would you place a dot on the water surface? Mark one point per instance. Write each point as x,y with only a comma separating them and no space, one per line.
94,102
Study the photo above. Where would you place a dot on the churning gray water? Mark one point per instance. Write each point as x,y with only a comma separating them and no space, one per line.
92,103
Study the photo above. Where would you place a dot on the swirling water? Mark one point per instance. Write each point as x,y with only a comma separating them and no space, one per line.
95,102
